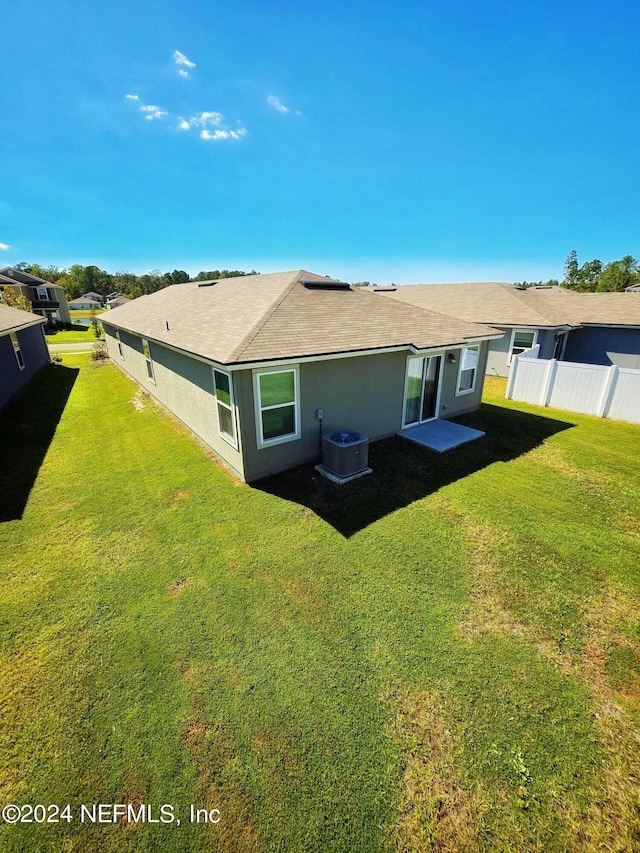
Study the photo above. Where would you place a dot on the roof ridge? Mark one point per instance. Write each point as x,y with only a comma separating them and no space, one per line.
252,334
520,297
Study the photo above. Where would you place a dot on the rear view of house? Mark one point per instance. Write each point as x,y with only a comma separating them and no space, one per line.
260,366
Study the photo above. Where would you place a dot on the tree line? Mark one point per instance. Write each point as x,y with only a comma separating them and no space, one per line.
78,279
594,276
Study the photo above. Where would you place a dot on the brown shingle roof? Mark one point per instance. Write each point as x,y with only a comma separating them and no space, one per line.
505,305
13,319
487,302
274,316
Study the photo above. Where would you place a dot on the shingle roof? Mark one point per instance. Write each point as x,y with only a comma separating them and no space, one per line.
13,319
505,305
274,316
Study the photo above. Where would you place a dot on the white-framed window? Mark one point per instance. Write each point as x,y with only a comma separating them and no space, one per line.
468,369
120,350
43,293
147,356
223,385
277,396
17,350
521,339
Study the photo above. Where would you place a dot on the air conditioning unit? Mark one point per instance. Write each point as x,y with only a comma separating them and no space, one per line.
345,453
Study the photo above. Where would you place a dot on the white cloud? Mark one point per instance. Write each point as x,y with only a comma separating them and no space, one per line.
275,103
152,112
181,59
183,124
217,135
132,97
4,247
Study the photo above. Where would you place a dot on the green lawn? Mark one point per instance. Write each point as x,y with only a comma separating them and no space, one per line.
79,334
443,655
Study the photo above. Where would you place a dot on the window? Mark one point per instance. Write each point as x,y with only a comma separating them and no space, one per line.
276,396
17,350
224,402
43,293
468,369
521,339
120,344
147,355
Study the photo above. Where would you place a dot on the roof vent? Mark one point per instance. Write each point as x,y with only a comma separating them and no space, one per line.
326,285
384,289
207,283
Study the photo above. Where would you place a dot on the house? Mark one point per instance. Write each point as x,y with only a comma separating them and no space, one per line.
582,327
81,303
23,349
48,300
260,366
94,297
116,301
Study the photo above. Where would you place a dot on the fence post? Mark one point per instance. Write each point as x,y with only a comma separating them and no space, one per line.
547,387
513,369
607,392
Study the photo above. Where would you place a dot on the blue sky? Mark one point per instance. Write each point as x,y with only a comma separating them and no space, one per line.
404,141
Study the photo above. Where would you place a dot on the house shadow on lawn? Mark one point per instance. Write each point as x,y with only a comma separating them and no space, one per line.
27,425
404,473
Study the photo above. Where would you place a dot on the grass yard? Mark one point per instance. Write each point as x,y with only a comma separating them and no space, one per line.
79,334
444,655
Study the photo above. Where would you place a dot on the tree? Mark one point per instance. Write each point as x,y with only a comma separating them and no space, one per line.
95,323
571,271
620,274
14,299
589,275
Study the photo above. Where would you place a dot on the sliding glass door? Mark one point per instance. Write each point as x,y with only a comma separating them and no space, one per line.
421,389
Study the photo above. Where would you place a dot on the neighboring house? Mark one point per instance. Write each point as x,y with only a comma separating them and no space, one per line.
94,297
82,303
609,330
23,349
260,366
117,301
48,300
584,327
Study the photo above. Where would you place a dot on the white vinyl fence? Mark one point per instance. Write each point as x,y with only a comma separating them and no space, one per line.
593,389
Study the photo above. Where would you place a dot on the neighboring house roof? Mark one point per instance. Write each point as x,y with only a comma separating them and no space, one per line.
608,309
81,300
13,319
9,275
91,294
22,277
503,304
275,316
487,302
117,300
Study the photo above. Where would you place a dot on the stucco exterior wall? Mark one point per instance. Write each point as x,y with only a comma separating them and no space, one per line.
183,384
590,344
35,354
